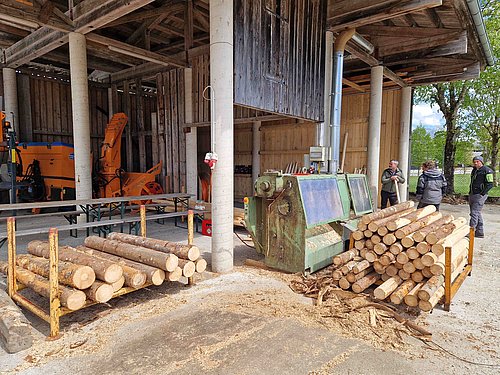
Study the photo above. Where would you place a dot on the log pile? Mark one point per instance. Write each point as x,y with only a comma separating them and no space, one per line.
99,270
401,249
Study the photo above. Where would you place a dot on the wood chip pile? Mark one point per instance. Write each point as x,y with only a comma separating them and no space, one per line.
98,270
403,249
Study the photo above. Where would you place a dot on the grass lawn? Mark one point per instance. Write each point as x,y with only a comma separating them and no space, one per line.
462,183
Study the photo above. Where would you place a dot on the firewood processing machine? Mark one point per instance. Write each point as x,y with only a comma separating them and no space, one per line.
299,222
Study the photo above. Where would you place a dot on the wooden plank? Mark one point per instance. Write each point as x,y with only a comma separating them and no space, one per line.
128,130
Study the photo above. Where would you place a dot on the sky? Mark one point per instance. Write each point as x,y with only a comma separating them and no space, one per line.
430,117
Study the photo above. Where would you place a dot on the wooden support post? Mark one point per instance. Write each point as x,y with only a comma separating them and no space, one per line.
54,283
351,241
190,238
11,244
447,279
143,220
471,248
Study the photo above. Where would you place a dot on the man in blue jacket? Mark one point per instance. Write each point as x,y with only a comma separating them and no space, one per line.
481,181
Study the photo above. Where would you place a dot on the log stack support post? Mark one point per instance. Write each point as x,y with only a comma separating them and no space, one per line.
451,288
143,220
55,303
190,238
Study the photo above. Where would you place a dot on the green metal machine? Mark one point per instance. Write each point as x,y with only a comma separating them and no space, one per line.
299,221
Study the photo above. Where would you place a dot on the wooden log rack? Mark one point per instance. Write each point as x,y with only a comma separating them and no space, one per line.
450,288
56,311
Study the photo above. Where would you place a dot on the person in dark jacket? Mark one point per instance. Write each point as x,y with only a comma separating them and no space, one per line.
431,186
389,178
481,181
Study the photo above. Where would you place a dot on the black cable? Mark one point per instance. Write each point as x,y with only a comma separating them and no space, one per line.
243,241
457,357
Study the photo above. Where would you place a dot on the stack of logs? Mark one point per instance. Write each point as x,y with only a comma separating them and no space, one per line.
98,270
403,249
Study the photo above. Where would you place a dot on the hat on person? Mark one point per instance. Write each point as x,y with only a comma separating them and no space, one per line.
480,158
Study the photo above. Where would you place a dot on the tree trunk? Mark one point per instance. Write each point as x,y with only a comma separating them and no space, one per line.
75,275
450,149
494,151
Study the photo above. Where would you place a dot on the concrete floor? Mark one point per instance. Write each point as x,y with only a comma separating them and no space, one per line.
249,321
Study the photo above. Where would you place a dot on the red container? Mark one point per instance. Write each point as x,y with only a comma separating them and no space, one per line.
206,227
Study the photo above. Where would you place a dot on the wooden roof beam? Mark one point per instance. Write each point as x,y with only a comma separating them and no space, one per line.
88,15
378,14
402,31
394,77
136,52
355,86
434,17
427,43
171,6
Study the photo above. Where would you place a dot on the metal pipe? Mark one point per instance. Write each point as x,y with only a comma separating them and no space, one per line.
336,96
363,43
477,17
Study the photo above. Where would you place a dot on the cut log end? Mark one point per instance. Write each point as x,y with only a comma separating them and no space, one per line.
113,273
117,285
175,275
193,253
76,300
171,263
83,277
157,277
201,265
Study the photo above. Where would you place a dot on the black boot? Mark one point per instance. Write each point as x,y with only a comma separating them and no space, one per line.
479,234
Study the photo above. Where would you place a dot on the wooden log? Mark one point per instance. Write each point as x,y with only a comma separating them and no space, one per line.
201,265
76,276
409,267
133,277
382,231
450,240
423,248
337,274
426,271
346,268
385,289
396,248
411,299
345,257
364,264
104,269
397,297
404,275
391,270
398,265
371,257
420,234
387,211
412,253
353,277
100,292
380,248
175,275
188,267
368,233
362,226
387,258
376,224
389,239
384,277
358,235
428,305
153,275
394,225
430,287
408,241
418,224
458,253
344,284
359,244
402,258
376,239
444,231
429,259
417,276
365,282
369,244
418,264
71,298
379,267
189,252
165,261
117,285
362,253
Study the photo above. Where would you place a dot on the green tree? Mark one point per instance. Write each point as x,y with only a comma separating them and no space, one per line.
421,146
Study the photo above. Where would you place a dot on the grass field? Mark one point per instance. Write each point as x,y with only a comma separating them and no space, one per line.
462,183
